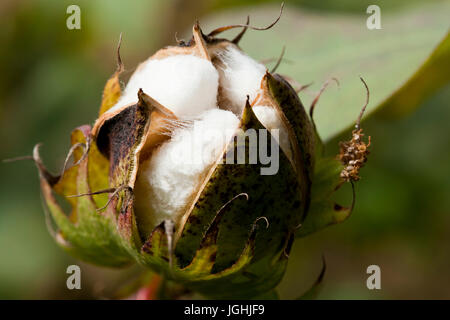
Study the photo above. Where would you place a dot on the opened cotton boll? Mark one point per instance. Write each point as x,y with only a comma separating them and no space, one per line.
206,87
169,180
185,84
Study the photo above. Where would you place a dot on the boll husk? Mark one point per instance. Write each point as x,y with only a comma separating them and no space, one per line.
222,230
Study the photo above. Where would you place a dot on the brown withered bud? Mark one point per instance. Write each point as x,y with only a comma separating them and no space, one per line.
353,153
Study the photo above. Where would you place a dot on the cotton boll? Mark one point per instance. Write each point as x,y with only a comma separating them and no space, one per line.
269,117
240,76
185,84
167,181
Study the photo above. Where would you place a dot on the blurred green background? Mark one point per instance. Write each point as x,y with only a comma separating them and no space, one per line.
51,81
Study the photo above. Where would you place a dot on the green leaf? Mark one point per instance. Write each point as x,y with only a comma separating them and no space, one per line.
431,76
320,46
323,211
315,289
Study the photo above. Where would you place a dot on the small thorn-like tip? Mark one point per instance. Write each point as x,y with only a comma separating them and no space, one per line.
197,26
337,82
17,159
316,99
241,34
247,101
36,156
262,218
236,40
140,94
179,41
199,40
358,121
120,66
280,58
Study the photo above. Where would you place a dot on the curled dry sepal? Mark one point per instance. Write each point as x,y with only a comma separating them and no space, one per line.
222,230
353,154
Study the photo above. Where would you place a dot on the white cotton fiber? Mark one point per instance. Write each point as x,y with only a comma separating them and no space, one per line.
240,76
269,117
185,84
177,168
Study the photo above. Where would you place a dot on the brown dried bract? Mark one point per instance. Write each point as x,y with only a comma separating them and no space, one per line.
353,155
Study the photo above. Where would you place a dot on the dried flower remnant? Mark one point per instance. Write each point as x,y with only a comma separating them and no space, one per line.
353,153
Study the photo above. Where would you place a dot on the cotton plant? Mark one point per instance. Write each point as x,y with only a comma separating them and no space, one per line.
151,181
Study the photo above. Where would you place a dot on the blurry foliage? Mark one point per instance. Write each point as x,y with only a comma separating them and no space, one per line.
321,46
51,82
431,75
347,6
